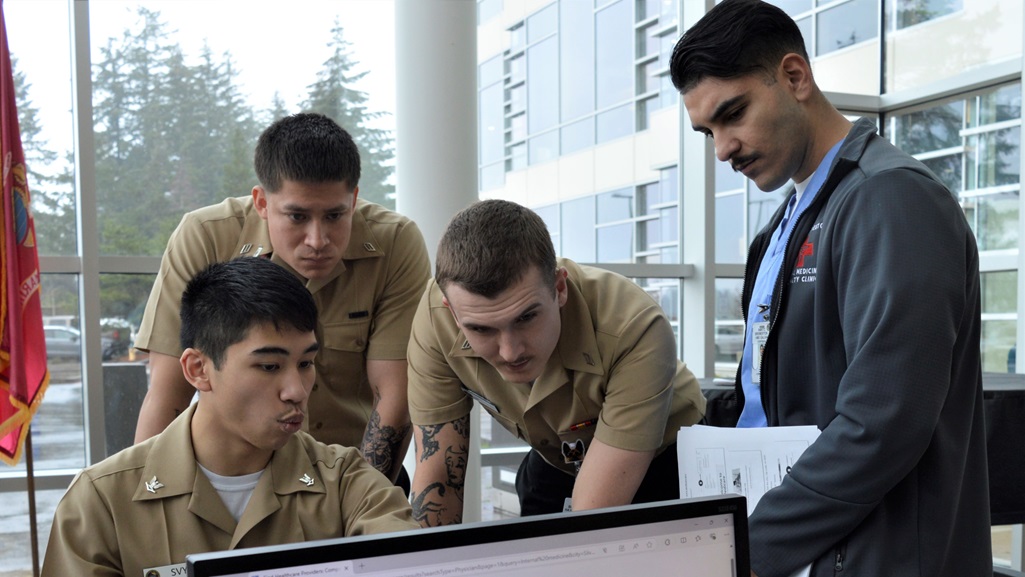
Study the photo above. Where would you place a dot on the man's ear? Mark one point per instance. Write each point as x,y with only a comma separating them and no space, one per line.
196,367
795,72
561,285
260,201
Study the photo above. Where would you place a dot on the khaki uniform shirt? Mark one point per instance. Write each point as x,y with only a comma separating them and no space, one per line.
365,306
109,523
614,374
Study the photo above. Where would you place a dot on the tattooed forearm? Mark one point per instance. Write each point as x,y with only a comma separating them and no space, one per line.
455,466
462,425
381,444
430,440
427,512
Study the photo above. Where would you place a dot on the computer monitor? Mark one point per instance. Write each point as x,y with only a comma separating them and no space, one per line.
704,537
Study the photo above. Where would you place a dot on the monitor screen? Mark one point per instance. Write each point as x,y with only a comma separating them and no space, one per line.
704,537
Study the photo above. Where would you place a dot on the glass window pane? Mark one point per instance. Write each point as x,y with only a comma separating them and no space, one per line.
516,68
948,169
994,219
670,226
518,127
490,71
613,41
669,12
668,184
760,208
518,157
931,129
998,346
615,123
993,158
847,24
729,327
543,85
40,56
492,124
492,176
615,205
178,104
726,178
793,7
576,55
488,9
518,98
997,106
544,147
729,229
578,135
615,243
542,23
999,292
911,13
578,236
517,37
550,214
58,428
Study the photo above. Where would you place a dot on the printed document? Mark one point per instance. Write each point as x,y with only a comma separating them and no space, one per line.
749,462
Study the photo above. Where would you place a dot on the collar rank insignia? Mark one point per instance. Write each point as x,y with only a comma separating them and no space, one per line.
308,480
152,485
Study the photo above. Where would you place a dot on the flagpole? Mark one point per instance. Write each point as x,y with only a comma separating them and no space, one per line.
30,477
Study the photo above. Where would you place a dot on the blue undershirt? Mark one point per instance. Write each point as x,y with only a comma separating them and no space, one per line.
753,414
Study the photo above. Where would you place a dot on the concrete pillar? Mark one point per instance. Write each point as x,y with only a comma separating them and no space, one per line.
436,111
436,140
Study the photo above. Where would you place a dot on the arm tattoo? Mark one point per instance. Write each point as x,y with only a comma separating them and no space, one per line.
382,443
462,425
428,513
430,443
455,466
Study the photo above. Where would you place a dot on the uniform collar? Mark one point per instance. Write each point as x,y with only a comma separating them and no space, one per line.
171,461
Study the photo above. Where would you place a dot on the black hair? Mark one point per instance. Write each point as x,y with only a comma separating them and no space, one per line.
223,301
734,39
306,147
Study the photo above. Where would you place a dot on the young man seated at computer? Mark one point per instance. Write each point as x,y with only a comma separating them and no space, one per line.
234,470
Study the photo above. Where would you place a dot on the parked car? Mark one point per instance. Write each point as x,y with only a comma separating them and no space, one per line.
66,342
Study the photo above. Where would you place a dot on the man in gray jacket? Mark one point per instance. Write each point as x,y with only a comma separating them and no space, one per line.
862,309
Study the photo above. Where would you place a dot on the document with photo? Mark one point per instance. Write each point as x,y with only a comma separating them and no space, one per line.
748,462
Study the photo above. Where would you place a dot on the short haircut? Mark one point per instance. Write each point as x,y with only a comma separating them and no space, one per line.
223,301
492,244
734,39
306,147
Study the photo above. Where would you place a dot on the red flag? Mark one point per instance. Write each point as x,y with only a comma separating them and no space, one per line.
23,372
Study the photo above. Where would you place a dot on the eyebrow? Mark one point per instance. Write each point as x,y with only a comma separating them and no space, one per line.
282,351
290,207
529,309
721,110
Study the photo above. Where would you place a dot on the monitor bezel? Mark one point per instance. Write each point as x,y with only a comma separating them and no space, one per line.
222,563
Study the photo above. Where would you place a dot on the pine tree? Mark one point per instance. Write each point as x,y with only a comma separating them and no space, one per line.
335,96
50,183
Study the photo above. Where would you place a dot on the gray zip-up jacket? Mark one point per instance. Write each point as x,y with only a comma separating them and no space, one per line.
874,338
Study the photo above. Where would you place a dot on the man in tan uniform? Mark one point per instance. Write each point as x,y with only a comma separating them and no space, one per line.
365,266
578,362
234,470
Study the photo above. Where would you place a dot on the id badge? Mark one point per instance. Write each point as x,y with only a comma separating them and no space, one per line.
175,570
760,332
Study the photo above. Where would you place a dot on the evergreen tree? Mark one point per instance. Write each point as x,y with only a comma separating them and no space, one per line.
50,182
335,96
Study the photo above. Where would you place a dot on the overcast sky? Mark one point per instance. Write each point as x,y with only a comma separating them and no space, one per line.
277,45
